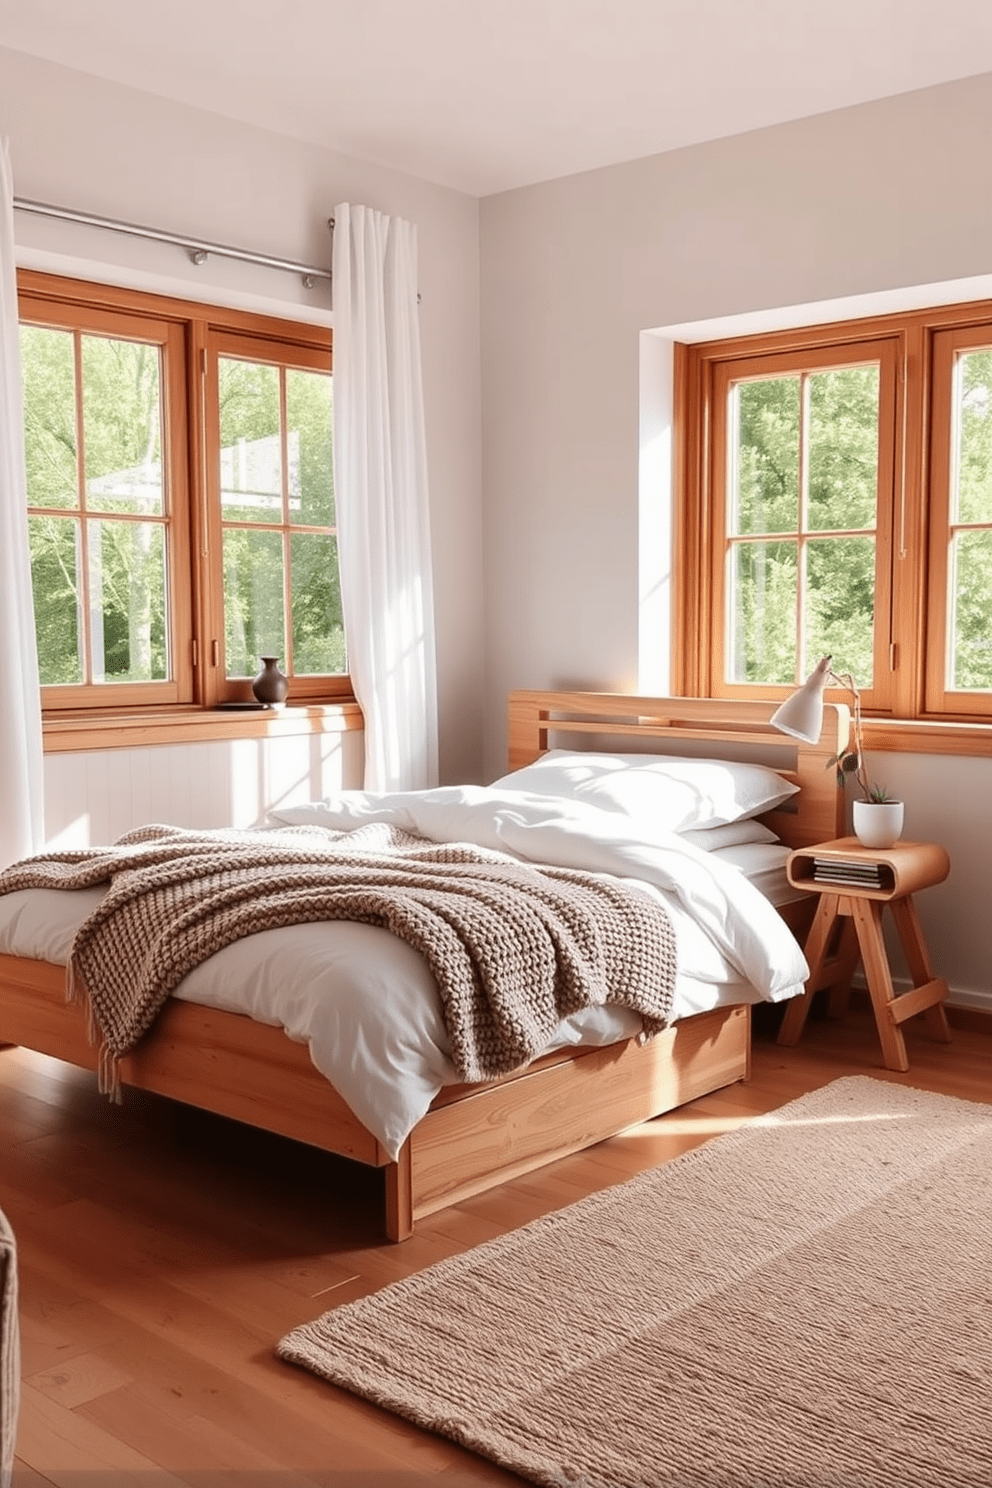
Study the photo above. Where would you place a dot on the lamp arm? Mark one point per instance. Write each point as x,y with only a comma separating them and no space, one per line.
845,680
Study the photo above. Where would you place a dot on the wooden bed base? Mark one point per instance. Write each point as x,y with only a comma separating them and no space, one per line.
473,1137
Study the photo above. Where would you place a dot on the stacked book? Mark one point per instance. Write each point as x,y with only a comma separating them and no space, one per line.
851,871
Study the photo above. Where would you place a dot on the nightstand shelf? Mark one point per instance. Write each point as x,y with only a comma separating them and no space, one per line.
855,883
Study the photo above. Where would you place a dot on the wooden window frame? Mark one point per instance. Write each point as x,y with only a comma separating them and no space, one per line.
169,337
906,709
225,342
199,687
947,344
884,350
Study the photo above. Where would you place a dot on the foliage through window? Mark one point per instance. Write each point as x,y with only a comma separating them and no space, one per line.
180,499
836,497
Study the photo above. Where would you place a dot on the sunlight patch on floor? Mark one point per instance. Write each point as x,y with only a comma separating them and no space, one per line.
684,1126
775,1118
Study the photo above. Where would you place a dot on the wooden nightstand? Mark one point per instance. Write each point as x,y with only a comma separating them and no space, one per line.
856,882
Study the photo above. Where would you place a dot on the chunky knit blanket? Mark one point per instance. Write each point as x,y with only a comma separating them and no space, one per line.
514,948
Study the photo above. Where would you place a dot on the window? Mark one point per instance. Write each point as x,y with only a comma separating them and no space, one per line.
959,672
180,499
835,495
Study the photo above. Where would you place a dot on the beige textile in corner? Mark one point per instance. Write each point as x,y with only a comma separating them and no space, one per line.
9,1350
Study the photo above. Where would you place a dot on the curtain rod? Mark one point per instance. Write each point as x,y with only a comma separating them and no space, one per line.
197,250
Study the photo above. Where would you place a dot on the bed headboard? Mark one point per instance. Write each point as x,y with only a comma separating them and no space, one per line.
539,721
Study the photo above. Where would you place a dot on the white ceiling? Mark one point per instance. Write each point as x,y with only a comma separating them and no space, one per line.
485,95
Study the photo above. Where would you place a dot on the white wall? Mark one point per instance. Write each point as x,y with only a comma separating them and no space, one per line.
574,271
95,796
949,800
78,141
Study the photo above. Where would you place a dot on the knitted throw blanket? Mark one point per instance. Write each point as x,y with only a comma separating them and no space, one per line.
514,948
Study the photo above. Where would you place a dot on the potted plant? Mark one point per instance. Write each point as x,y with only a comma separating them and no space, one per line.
876,816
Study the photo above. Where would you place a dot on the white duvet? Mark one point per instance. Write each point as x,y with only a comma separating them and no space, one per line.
364,1000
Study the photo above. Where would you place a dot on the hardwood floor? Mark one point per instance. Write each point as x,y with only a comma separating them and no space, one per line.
163,1252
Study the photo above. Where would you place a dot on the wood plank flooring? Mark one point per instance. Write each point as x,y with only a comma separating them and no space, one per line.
163,1252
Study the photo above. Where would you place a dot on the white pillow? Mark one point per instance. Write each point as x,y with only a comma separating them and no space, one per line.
734,834
674,793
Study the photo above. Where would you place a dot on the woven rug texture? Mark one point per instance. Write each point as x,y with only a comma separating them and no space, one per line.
803,1303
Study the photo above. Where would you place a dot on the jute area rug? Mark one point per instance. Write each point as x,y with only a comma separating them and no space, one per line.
805,1301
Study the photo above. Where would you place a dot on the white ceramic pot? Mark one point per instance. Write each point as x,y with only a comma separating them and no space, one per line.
878,823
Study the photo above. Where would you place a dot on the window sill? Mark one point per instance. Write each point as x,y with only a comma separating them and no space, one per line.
926,736
66,734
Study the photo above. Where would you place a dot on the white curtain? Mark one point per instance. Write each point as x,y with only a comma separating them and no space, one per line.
21,763
380,482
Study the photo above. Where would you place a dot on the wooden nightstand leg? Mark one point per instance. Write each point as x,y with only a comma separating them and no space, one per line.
816,948
914,946
867,915
846,958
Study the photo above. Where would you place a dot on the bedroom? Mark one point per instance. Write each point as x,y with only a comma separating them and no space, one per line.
537,576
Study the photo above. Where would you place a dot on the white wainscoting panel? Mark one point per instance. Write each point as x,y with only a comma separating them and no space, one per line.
96,795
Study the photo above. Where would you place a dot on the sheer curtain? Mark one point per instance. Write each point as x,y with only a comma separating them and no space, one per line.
380,482
21,764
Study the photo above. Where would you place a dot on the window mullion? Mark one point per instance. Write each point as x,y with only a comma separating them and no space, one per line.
900,523
802,527
85,612
287,547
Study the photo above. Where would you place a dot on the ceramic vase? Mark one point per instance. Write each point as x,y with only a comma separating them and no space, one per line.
877,823
271,685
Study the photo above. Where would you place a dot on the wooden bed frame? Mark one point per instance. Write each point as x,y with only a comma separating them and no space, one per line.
474,1136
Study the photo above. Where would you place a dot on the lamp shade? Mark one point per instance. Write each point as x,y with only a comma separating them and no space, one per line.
801,715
